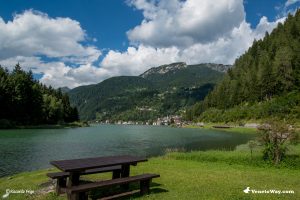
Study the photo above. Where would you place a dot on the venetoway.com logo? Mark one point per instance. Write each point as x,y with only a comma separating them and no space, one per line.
12,191
270,191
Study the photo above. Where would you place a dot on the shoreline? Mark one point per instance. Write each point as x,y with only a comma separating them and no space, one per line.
209,126
234,129
207,167
169,153
49,126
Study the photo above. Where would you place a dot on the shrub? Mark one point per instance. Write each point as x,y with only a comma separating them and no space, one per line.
275,136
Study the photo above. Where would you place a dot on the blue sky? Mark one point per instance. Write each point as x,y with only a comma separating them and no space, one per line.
108,21
97,39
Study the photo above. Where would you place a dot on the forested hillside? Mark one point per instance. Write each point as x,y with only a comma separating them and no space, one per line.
25,101
110,96
264,82
181,75
160,91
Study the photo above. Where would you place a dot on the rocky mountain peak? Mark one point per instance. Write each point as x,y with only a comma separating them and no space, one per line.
163,69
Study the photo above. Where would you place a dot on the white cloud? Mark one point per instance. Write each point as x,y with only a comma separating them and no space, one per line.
45,45
184,23
191,31
136,60
291,2
34,33
58,74
172,30
264,25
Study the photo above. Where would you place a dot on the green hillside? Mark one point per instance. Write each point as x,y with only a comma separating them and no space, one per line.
181,75
160,91
264,82
108,97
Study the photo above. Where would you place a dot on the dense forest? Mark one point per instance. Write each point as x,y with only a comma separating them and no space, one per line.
264,82
25,101
160,91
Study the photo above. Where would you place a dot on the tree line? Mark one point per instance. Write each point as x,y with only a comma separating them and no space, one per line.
26,101
269,70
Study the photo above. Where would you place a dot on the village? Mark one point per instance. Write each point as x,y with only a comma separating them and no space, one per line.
174,120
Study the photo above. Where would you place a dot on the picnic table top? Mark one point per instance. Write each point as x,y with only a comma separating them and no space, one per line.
75,165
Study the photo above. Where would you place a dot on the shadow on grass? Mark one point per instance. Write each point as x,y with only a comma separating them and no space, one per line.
107,192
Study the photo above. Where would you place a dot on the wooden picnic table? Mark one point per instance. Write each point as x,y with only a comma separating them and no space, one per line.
76,167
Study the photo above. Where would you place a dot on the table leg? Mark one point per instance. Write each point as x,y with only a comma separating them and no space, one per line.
60,183
144,187
74,180
116,174
125,171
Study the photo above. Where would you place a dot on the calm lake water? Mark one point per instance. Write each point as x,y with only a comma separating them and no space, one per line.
31,149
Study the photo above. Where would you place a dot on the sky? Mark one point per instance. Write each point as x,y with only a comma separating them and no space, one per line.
80,42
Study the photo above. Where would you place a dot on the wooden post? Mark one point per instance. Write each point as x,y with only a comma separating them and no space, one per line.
116,174
78,196
125,171
144,187
60,183
73,179
83,196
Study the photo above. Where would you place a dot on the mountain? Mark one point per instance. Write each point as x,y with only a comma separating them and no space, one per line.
108,96
263,83
183,75
160,91
64,89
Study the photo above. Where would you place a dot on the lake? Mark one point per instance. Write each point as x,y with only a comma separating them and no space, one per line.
32,149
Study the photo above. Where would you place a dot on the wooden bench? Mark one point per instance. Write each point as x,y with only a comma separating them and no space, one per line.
80,192
62,176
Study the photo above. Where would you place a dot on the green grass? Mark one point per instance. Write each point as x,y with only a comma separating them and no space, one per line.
195,175
241,130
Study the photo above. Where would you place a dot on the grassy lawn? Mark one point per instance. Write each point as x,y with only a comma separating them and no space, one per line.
194,175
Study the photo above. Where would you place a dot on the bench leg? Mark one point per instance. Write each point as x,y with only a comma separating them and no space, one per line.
78,196
60,183
125,171
116,174
145,187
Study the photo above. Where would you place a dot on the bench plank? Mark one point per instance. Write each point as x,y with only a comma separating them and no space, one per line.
118,181
61,177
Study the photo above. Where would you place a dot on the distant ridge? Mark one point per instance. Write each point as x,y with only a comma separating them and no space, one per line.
64,89
181,65
164,69
160,91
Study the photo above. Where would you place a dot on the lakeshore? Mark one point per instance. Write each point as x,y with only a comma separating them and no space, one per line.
199,175
32,149
210,174
48,126
233,129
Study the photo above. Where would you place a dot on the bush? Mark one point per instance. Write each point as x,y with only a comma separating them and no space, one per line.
275,136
